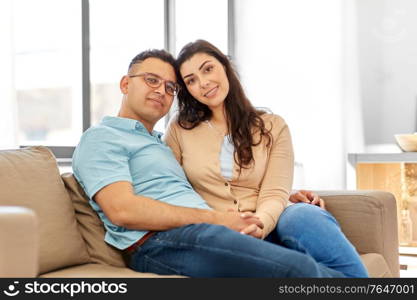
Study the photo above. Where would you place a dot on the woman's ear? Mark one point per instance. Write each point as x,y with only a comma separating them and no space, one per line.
124,82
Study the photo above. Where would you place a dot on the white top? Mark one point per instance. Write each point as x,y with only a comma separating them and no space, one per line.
226,158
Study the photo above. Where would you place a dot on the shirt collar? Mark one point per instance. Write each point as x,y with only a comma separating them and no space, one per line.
128,124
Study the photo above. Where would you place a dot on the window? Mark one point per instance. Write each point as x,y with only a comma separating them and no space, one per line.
45,42
206,20
47,71
119,29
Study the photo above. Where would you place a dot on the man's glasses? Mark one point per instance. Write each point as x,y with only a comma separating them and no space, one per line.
154,81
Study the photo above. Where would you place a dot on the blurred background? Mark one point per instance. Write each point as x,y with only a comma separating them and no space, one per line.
342,73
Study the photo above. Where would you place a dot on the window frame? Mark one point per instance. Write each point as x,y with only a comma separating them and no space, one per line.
64,153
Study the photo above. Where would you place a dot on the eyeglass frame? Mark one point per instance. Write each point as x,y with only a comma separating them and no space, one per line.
177,86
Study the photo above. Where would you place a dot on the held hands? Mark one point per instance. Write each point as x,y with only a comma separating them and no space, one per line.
252,224
253,229
307,197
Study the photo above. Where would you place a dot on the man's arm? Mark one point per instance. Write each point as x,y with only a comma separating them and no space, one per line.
125,209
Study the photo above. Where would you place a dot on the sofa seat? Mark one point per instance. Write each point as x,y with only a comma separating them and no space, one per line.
100,271
376,265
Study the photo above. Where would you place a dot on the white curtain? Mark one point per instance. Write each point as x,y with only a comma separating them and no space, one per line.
8,128
353,122
298,58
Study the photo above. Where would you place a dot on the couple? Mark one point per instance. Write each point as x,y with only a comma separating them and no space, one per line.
209,200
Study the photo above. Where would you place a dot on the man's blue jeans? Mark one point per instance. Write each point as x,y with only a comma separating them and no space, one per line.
206,250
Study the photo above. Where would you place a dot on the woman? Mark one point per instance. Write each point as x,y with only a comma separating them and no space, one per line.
239,158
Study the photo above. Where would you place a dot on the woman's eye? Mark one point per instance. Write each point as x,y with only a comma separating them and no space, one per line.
190,81
209,68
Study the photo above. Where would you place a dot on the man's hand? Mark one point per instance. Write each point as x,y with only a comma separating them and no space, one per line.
307,197
253,229
241,222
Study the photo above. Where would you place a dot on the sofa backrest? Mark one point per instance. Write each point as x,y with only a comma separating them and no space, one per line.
30,178
90,225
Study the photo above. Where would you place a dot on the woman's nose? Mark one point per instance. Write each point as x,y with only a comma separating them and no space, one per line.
204,83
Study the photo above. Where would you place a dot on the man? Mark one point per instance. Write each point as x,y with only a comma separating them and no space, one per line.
149,209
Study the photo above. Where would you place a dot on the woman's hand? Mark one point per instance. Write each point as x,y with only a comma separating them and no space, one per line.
307,197
256,229
240,222
253,229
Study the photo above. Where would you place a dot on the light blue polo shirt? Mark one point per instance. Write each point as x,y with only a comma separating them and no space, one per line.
120,149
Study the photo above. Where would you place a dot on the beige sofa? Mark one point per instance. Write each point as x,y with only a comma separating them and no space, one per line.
47,228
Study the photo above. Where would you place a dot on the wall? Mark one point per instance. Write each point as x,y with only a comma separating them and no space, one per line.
387,31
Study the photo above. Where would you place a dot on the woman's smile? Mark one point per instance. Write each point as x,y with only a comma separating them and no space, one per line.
212,93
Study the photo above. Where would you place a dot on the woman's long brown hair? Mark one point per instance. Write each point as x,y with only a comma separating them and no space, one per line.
243,119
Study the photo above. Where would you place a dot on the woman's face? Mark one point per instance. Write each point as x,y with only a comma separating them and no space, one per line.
205,79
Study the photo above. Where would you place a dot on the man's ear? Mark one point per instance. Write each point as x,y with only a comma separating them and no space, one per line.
124,82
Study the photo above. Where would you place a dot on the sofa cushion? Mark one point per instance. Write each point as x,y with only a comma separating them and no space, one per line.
376,265
30,178
91,226
18,257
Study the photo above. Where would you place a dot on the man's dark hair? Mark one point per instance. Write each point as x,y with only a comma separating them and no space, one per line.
156,53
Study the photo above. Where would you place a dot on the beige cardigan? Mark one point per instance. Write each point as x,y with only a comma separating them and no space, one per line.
264,188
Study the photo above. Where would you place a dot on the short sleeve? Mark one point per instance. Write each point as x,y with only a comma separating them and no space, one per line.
171,138
99,160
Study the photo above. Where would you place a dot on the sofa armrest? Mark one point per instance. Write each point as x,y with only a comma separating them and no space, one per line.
18,242
369,221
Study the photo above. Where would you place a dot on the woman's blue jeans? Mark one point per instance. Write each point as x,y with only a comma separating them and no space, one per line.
314,231
206,250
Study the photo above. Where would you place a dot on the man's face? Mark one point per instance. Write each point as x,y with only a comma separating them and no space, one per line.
143,102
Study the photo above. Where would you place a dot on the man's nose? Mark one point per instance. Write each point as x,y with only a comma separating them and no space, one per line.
160,89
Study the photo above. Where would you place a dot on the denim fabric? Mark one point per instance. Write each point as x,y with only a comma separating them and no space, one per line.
314,231
206,250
